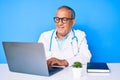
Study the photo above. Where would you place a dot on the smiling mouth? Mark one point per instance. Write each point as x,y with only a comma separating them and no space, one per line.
61,28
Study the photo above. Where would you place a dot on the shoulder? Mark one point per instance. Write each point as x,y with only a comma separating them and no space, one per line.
79,33
47,33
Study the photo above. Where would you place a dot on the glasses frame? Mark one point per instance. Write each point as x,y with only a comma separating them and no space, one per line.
64,20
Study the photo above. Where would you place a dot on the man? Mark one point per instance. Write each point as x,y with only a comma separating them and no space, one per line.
64,45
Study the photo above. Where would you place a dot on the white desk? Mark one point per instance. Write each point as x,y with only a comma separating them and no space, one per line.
65,74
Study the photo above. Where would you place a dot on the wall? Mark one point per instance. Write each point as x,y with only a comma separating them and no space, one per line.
25,20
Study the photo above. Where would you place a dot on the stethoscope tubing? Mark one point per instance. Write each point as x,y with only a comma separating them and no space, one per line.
74,37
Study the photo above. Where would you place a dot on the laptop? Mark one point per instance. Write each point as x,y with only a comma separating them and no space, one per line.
28,57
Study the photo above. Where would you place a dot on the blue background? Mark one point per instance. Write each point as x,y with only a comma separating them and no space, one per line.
25,20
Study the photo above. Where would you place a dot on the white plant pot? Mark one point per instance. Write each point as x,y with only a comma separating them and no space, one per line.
77,72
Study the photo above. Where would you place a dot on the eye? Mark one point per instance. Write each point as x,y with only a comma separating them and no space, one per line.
65,19
56,19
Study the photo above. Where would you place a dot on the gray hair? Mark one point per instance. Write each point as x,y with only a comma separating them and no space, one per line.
70,9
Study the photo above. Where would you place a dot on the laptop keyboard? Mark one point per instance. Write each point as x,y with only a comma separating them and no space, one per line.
53,70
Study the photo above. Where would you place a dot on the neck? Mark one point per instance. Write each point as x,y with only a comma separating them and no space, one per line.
60,36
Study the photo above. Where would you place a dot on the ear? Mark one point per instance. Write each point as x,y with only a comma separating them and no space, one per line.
73,22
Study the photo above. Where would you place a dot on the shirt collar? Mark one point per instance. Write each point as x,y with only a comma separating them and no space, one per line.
64,37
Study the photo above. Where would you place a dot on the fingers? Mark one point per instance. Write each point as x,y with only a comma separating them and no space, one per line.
56,62
52,61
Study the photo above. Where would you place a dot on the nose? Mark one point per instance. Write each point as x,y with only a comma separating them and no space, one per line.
60,23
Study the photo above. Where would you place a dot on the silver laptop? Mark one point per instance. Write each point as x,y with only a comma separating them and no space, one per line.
28,57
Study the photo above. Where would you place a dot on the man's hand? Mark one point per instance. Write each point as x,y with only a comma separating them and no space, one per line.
56,62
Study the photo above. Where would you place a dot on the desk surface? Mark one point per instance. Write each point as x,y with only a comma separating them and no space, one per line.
65,74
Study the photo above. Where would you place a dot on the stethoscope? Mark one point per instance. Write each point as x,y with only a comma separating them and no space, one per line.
74,43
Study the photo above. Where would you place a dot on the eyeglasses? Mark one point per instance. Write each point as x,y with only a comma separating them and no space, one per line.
64,20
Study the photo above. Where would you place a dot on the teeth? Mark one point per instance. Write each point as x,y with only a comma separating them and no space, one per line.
61,27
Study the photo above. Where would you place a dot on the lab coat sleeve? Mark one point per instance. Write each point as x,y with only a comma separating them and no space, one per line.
84,54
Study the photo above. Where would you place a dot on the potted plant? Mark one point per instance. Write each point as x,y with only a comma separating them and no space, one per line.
77,69
77,64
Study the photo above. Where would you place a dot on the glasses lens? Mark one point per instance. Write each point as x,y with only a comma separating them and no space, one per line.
56,19
64,20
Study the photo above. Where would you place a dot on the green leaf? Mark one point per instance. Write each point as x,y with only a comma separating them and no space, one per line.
77,64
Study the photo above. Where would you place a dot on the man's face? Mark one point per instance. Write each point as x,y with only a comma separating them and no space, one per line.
64,28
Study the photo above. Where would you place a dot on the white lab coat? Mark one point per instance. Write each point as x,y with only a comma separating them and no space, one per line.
68,51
